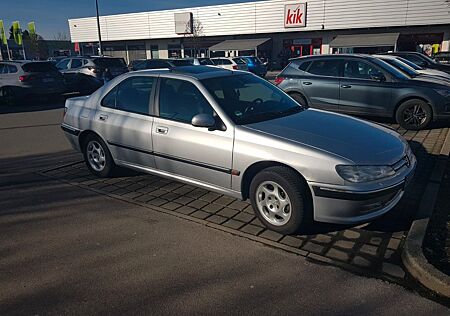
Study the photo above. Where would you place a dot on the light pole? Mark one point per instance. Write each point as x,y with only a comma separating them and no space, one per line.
100,49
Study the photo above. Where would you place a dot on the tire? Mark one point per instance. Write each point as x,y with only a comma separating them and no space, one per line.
299,98
275,186
414,114
97,157
7,96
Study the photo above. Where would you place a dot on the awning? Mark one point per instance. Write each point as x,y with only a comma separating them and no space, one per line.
240,44
365,40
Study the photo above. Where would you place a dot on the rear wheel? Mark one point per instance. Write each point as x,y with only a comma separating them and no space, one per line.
97,156
280,199
414,114
299,98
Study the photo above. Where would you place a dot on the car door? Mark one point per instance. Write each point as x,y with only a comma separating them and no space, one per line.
124,120
321,83
364,88
182,149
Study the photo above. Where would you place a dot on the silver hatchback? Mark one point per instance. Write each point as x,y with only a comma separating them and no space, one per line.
237,134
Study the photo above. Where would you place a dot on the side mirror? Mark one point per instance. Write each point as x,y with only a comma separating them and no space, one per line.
203,120
378,77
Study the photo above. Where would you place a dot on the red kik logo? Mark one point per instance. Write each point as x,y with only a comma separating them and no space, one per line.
294,17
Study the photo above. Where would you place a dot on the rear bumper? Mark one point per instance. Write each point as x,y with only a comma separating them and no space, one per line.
345,206
72,134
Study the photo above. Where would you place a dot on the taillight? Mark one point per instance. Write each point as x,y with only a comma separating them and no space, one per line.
94,70
235,67
25,78
279,80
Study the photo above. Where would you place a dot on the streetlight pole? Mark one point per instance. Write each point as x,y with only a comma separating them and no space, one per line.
100,49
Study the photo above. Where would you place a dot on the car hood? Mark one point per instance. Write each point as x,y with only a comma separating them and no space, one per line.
434,72
359,141
431,81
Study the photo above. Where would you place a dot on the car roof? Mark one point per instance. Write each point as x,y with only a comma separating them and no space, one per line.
326,56
196,72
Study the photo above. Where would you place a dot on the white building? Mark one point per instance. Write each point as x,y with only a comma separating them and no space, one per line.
278,29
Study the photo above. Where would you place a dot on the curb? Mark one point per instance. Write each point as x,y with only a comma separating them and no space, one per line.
412,256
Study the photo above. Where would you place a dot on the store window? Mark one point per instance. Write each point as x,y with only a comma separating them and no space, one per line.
174,50
154,50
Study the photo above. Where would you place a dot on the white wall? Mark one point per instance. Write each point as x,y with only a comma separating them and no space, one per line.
264,17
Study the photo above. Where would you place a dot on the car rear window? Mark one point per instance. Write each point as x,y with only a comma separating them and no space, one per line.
181,62
239,61
109,62
39,67
303,66
205,61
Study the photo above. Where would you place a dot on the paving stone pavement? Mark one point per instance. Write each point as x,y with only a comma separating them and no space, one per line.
372,249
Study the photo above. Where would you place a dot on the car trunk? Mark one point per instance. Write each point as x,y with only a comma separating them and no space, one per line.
41,74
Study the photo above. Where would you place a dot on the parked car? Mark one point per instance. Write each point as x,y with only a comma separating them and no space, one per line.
366,85
197,61
405,66
255,65
86,74
132,65
442,57
162,63
421,70
230,63
237,134
422,60
56,59
21,79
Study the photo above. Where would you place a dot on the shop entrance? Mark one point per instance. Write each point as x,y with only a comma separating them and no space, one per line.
305,47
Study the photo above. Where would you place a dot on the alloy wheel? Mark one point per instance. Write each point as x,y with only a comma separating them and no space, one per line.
414,115
273,203
96,156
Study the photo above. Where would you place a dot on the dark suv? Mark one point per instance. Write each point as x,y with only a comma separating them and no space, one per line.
365,85
422,61
86,74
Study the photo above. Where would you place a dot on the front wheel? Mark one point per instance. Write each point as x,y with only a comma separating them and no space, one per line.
280,199
414,114
97,157
299,98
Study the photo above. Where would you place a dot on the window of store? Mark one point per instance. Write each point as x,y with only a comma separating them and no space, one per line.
174,50
154,50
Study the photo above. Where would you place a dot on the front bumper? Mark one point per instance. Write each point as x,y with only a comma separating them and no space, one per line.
347,205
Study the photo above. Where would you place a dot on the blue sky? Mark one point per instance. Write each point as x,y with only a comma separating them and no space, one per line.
51,16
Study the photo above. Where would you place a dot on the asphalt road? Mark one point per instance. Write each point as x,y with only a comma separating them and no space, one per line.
65,250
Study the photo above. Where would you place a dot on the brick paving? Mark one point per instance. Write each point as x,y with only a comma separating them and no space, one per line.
372,249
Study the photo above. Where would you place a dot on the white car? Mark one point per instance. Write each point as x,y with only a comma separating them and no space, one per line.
231,63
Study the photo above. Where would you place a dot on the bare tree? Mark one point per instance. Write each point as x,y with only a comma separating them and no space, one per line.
194,31
60,36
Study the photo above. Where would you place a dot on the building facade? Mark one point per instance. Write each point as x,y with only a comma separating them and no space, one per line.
289,29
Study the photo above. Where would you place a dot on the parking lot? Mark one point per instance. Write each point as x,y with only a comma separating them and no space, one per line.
49,193
372,249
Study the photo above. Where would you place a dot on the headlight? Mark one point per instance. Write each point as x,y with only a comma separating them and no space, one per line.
358,174
443,92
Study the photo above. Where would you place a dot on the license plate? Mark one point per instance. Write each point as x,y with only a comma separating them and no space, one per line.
47,80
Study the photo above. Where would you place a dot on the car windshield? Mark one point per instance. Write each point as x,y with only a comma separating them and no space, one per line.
39,67
391,69
402,66
109,62
428,59
248,99
409,63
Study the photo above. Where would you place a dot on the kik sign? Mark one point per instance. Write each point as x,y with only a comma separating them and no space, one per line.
295,15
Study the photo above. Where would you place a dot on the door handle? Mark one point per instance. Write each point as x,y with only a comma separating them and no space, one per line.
307,83
103,117
346,86
162,130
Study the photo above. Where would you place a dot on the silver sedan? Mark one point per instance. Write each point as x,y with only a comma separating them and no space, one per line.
236,134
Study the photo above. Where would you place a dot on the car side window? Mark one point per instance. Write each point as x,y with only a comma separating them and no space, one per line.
415,59
63,64
303,66
76,63
217,62
226,62
12,69
180,100
131,95
325,67
3,69
360,70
